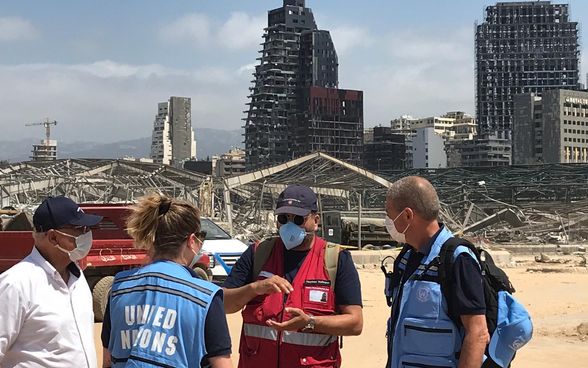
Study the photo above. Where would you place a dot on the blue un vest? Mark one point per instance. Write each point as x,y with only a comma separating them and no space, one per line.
157,314
423,335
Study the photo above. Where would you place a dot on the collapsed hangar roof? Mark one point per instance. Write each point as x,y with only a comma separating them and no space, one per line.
105,180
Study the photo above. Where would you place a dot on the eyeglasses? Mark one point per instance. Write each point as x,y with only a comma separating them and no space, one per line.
296,219
82,229
201,235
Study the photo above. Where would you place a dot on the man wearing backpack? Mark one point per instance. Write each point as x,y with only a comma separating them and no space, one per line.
421,332
297,293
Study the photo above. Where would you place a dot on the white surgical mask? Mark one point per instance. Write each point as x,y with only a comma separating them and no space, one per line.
396,235
83,245
196,258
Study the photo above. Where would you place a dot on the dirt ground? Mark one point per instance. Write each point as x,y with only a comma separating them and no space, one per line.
558,303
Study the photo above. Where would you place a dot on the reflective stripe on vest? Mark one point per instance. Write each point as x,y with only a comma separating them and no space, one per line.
264,346
307,339
261,332
288,337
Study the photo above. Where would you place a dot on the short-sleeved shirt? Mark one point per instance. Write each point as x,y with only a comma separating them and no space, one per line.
467,292
45,322
347,284
216,331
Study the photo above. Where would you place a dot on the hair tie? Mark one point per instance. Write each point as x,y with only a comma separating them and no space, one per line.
164,208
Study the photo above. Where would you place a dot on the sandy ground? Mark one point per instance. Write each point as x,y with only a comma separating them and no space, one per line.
558,303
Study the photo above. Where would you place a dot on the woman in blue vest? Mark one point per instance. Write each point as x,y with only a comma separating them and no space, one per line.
162,314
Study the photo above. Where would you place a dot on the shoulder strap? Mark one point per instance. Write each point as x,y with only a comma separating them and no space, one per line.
446,261
447,252
263,250
402,259
261,253
332,261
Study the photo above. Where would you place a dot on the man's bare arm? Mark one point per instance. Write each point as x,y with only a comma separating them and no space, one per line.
475,341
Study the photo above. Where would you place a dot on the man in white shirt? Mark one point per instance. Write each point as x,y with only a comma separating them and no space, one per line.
46,317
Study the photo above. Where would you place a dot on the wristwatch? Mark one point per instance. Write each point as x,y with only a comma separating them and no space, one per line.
309,325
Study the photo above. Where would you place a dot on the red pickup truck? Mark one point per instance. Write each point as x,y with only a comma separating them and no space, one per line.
112,251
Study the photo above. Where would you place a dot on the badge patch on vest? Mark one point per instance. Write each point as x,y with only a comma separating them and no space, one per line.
423,294
318,295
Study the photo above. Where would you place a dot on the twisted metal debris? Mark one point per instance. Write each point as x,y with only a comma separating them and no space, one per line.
533,204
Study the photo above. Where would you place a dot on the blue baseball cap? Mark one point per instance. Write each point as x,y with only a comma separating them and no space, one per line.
296,200
513,330
57,212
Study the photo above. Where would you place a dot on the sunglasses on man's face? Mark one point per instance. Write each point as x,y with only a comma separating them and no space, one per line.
77,229
296,219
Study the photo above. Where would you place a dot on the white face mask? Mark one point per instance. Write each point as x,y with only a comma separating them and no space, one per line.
83,245
396,235
196,258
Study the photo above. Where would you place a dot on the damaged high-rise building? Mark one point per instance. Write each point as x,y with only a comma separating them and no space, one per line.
295,104
172,140
522,47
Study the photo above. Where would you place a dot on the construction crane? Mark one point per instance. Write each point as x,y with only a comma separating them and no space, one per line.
47,124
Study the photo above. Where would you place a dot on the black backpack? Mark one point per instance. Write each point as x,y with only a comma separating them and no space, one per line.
494,278
495,281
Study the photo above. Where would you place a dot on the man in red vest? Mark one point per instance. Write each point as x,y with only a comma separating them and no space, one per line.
293,308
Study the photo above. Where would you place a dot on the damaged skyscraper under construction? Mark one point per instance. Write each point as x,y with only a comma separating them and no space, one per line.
295,104
522,47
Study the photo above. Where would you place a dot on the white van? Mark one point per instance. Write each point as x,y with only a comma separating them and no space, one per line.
223,250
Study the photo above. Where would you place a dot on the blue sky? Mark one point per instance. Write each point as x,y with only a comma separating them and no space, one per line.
100,68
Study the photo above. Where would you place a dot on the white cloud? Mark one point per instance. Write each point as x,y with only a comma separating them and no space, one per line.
420,73
107,101
417,46
247,68
17,29
193,27
349,38
111,69
240,31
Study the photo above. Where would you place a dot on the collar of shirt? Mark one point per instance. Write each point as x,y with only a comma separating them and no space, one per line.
40,261
425,250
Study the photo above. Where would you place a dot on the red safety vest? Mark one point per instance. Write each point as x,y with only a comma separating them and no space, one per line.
263,346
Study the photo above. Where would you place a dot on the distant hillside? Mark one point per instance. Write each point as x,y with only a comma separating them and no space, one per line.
209,142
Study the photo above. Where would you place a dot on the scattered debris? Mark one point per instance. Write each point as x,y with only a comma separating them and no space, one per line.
548,270
514,218
543,258
583,329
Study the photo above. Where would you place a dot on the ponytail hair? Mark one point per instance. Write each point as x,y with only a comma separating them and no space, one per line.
161,224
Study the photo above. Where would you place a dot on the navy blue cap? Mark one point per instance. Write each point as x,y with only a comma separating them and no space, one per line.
57,212
296,200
